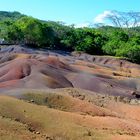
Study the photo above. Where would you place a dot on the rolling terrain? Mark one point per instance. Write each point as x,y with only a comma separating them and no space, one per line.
54,95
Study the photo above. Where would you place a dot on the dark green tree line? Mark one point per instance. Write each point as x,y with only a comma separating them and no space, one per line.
106,40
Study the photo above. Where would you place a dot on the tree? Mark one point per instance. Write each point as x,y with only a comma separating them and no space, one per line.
35,33
124,19
89,40
64,36
117,38
14,34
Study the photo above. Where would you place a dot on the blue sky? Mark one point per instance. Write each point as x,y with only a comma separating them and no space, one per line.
79,12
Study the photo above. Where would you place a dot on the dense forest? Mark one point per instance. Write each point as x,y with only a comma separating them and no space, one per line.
16,28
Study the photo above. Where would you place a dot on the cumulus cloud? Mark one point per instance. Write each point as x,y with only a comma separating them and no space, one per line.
101,17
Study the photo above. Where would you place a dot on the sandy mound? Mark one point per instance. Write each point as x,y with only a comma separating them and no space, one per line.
27,68
24,120
67,97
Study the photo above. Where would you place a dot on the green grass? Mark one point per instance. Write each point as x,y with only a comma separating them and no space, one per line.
51,100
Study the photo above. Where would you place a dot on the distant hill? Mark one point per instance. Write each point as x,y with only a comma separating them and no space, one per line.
10,15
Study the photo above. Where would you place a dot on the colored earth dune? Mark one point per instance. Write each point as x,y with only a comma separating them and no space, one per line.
55,95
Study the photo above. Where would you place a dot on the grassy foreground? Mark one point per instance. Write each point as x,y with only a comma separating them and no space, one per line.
65,119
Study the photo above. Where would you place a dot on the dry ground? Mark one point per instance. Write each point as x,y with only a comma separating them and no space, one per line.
55,96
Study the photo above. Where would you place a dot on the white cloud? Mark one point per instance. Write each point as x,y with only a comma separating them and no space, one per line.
101,17
82,25
138,24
